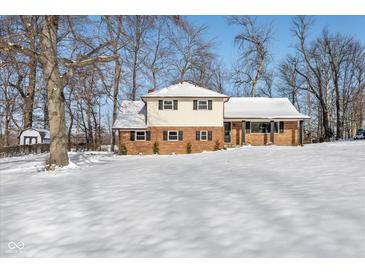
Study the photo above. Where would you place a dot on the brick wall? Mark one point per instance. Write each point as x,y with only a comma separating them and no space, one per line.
168,147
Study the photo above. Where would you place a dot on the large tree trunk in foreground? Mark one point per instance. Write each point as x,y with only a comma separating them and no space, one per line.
54,87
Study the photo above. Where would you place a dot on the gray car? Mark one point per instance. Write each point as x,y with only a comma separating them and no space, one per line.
360,134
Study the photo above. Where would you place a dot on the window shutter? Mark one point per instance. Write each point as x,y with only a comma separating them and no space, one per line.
148,135
210,105
281,127
248,127
165,135
132,135
181,135
195,104
160,104
175,104
197,135
209,136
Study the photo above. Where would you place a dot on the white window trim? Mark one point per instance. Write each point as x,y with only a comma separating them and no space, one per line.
172,104
206,135
198,106
168,135
145,135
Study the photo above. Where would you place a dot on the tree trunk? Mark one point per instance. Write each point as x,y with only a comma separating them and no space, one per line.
54,87
117,74
29,98
325,122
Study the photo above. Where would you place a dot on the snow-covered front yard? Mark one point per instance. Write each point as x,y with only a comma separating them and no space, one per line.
247,202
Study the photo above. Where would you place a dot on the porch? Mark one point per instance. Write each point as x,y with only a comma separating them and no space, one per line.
262,132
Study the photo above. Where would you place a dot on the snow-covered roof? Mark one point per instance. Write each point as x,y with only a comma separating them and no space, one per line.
43,132
132,115
184,89
261,108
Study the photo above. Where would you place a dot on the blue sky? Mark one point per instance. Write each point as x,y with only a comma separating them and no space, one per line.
283,40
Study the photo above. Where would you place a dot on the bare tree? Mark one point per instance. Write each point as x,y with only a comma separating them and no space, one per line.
115,27
51,61
253,41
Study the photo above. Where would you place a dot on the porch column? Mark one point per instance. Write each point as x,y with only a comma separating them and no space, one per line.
272,130
243,141
300,133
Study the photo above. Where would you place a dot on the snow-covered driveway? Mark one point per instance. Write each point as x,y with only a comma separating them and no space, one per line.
248,202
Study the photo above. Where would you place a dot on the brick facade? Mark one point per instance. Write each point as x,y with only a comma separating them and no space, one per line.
288,137
169,147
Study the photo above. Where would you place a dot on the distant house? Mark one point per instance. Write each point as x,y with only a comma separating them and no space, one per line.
31,136
185,114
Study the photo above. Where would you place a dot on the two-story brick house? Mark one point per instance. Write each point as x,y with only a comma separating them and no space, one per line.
185,115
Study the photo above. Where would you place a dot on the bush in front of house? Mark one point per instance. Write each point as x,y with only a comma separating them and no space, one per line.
123,149
156,148
189,148
217,145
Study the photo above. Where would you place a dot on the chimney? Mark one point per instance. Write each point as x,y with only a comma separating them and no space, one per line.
151,90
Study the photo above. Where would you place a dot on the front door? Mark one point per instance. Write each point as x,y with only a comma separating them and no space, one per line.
227,132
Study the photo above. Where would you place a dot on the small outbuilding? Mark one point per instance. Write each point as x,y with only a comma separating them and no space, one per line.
32,136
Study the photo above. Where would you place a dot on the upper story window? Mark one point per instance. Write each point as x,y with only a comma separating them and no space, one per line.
167,104
202,104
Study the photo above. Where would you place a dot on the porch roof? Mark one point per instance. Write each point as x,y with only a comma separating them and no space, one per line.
261,108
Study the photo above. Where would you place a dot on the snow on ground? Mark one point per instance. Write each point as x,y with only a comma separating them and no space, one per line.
247,202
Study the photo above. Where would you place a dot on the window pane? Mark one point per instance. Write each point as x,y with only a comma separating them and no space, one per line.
140,135
167,104
276,127
203,135
260,127
173,135
202,105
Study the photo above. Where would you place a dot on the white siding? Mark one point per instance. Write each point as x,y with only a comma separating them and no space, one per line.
29,133
185,115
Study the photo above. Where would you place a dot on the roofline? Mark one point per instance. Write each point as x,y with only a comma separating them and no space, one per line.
170,96
36,129
268,118
129,128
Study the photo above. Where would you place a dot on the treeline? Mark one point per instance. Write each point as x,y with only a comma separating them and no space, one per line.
69,73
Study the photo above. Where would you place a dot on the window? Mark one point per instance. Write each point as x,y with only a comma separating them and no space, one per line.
203,135
202,105
281,127
140,135
167,104
173,135
263,127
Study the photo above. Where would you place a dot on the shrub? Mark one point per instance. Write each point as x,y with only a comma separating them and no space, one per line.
123,149
188,148
156,147
217,145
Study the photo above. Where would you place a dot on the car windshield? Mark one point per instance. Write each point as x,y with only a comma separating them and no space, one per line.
360,131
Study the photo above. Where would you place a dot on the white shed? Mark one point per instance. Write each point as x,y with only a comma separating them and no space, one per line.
31,136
